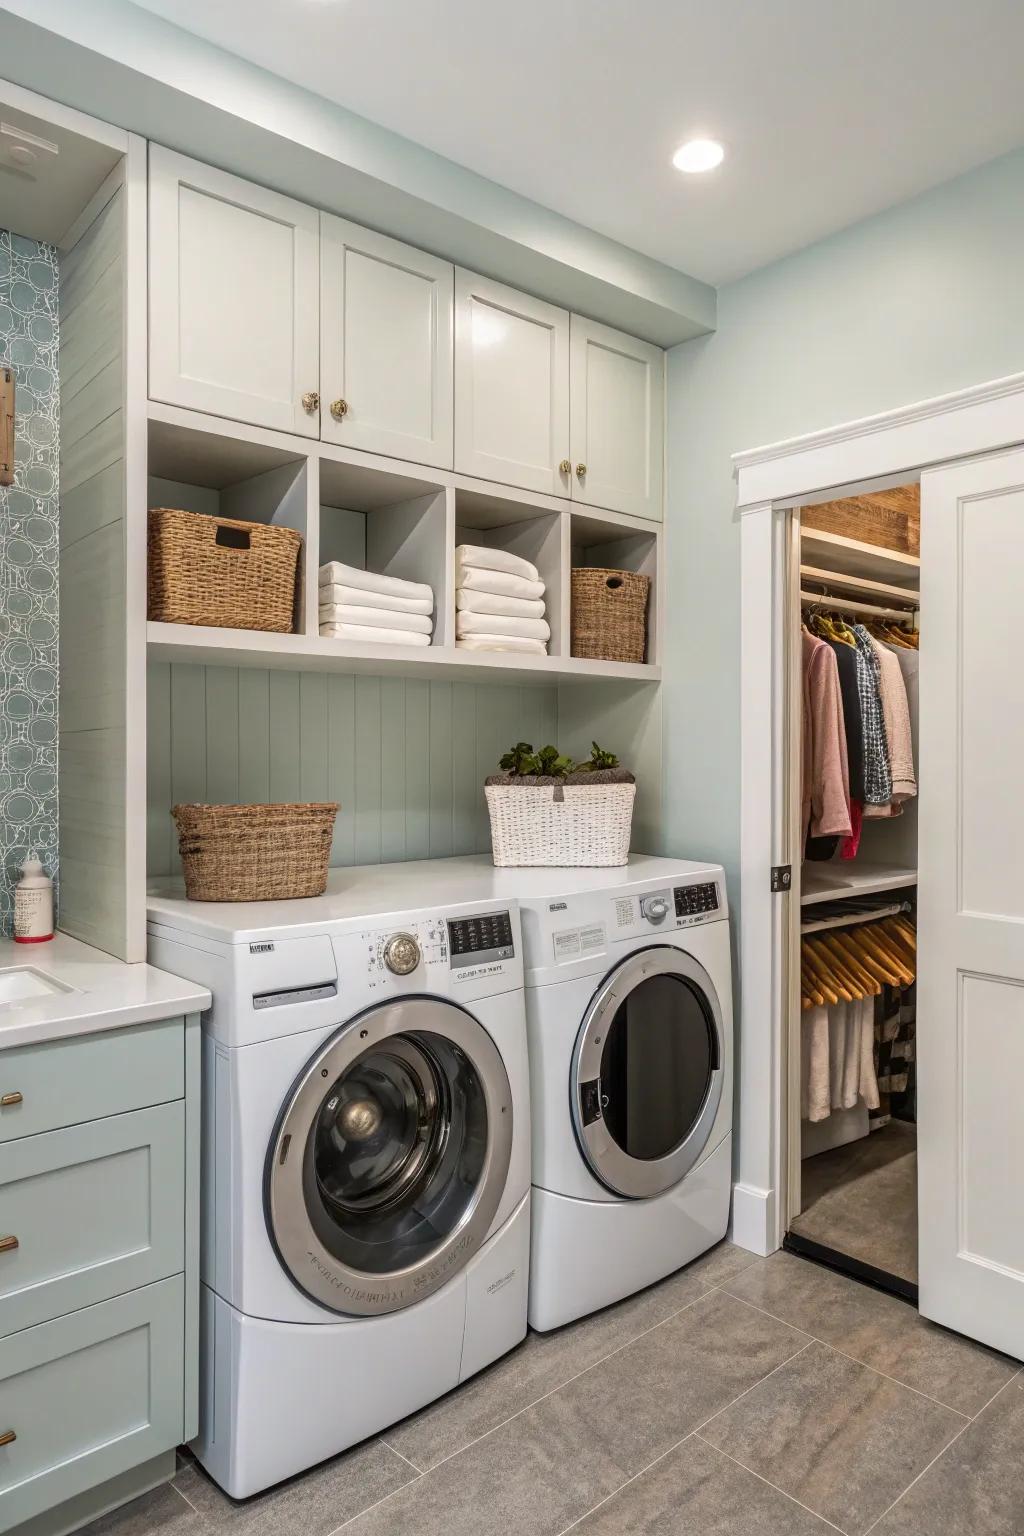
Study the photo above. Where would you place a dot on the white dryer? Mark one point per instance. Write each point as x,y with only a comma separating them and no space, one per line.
629,1018
366,1156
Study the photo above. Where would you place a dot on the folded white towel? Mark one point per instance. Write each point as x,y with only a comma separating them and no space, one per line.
490,602
494,560
469,578
381,618
370,581
362,597
502,643
368,635
497,624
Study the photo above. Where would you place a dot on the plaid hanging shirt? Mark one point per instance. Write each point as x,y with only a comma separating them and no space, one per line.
877,770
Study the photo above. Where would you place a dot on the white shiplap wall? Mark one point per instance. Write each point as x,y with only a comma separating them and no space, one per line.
406,758
92,585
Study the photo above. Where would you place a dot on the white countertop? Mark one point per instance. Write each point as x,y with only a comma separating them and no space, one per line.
107,994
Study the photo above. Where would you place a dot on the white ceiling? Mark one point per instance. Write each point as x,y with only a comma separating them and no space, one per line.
830,109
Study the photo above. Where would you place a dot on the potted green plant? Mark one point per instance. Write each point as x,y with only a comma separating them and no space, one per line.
546,809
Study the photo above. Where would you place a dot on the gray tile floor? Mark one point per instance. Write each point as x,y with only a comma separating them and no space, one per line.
861,1199
741,1397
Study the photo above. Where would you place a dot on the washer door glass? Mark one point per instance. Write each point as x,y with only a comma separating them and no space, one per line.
390,1157
648,1072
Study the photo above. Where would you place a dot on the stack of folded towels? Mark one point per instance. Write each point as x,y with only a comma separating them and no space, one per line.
360,605
499,601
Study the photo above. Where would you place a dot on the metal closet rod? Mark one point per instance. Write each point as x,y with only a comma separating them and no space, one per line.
849,919
847,605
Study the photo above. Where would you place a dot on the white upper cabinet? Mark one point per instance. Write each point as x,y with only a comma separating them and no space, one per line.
617,420
385,345
511,386
234,297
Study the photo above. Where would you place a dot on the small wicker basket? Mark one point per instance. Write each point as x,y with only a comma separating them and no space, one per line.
216,570
581,821
254,852
609,614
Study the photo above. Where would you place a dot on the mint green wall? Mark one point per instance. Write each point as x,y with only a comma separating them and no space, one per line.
923,299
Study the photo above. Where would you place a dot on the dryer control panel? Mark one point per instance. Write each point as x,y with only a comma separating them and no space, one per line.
696,903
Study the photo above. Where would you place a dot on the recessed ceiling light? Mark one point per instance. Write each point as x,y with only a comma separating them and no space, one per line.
698,155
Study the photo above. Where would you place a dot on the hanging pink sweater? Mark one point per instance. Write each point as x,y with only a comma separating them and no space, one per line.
826,781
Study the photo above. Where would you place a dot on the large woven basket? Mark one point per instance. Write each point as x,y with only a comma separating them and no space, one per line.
216,570
559,824
254,852
609,614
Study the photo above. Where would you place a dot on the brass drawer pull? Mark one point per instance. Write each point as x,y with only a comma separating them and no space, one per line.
7,1099
8,1437
565,468
581,470
8,1243
339,408
310,402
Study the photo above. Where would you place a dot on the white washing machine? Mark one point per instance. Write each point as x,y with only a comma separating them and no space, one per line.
629,1019
366,1156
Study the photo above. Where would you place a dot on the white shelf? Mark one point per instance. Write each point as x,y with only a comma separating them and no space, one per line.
852,557
831,882
311,653
876,591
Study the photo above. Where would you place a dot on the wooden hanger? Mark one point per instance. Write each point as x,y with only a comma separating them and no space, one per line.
851,963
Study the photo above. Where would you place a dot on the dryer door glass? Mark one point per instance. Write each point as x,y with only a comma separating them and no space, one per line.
648,1072
390,1157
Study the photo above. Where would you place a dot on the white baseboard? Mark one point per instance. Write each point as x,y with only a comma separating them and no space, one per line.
753,1219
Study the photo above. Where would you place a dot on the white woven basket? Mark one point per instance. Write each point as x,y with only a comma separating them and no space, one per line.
560,825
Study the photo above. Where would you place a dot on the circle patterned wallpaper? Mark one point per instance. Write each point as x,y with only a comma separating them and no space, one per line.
28,566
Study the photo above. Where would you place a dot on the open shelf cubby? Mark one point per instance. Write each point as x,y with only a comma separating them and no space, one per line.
603,540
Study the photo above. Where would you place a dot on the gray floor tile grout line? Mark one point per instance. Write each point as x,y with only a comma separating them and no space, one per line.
418,1470
768,1483
185,1496
712,1290
616,1491
885,1375
754,1386
949,1443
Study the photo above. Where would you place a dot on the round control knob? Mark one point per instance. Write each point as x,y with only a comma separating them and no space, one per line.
401,954
655,910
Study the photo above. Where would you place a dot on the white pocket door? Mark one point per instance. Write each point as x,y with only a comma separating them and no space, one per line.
970,1003
233,297
385,345
511,386
617,392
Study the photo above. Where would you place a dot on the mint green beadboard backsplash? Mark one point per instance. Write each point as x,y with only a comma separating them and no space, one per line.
406,758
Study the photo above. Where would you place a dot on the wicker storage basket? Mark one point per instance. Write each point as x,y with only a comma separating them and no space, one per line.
254,852
565,823
214,570
609,614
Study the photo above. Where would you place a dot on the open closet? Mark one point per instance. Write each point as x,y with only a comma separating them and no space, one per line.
853,702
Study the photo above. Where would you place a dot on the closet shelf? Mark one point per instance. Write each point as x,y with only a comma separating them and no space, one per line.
853,557
853,605
843,581
203,646
831,882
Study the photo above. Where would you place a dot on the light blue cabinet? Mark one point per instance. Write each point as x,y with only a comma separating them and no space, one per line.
98,1270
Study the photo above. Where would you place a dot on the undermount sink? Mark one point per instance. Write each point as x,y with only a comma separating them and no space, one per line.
23,984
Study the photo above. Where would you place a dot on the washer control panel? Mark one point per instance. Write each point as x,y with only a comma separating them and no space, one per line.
696,903
656,906
481,939
402,954
412,952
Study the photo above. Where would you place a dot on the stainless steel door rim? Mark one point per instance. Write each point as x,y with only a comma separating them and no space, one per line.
633,1177
407,1032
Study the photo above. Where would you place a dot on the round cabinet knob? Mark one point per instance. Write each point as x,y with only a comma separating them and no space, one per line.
565,468
401,954
581,470
310,401
655,910
339,408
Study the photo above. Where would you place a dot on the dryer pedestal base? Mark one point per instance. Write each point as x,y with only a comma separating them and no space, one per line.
587,1254
276,1398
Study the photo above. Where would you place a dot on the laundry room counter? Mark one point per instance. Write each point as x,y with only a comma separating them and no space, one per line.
89,991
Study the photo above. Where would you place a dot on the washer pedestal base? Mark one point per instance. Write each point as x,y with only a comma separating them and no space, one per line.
587,1254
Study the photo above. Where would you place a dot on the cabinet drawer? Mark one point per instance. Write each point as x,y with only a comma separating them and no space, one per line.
88,1396
96,1210
63,1082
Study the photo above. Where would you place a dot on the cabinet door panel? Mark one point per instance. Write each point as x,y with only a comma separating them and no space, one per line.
233,296
511,386
386,344
617,392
